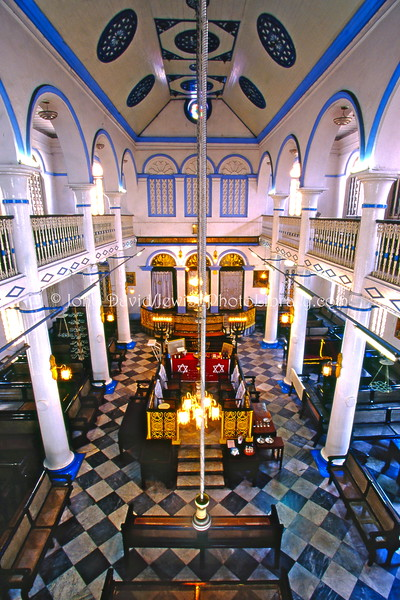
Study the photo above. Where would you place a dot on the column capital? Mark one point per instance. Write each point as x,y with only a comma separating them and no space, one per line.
114,198
279,200
81,187
375,175
19,170
309,198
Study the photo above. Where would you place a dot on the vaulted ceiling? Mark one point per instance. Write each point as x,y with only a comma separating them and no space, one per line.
139,55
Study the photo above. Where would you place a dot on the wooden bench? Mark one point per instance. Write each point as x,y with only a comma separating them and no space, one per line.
82,410
250,382
375,518
24,544
250,531
125,590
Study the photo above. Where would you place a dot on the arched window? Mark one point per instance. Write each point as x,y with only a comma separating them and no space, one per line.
98,197
295,195
353,191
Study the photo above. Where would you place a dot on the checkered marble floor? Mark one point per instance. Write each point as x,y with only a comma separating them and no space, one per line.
321,550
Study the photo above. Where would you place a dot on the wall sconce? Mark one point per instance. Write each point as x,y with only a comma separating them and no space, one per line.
332,368
180,253
194,228
215,255
286,318
63,372
110,318
99,145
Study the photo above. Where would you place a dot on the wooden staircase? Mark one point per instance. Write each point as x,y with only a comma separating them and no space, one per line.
189,467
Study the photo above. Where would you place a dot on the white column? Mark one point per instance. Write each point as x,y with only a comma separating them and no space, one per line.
214,288
180,289
119,276
271,316
58,456
98,350
301,303
376,189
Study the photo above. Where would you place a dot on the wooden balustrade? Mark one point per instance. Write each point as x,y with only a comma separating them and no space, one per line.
387,264
57,236
289,231
8,266
103,229
334,240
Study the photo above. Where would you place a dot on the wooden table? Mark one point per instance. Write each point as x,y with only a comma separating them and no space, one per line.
261,426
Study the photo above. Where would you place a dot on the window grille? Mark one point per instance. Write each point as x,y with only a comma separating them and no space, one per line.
191,197
161,194
393,211
36,193
353,197
288,290
12,322
234,192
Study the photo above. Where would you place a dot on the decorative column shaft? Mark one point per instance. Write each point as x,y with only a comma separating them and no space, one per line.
58,456
271,316
376,189
119,276
98,350
180,289
301,304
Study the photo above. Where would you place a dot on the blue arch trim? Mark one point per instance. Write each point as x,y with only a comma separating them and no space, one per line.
235,251
381,109
50,89
107,135
356,107
45,171
162,156
246,160
13,118
265,155
285,141
125,152
33,12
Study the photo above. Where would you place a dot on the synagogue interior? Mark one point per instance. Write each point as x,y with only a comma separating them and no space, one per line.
210,411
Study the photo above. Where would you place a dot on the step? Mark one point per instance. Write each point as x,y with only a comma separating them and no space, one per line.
210,466
193,453
189,482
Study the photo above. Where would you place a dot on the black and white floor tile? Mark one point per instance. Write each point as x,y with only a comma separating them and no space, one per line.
321,550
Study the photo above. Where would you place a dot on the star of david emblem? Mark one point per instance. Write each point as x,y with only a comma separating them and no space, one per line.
219,368
183,368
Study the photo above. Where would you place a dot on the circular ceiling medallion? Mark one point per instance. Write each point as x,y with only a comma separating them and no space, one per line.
190,85
186,41
117,36
252,92
191,110
276,40
140,90
193,67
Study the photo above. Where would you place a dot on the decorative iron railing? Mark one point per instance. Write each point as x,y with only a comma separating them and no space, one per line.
334,240
267,226
289,231
57,236
127,226
103,229
8,265
387,263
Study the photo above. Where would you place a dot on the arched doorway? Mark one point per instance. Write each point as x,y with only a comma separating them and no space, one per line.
231,282
191,284
163,282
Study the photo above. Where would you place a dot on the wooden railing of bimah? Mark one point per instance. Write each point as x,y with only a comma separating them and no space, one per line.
8,265
57,237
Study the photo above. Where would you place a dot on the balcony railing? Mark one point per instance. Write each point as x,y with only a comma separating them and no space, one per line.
289,231
57,236
387,264
267,226
334,240
127,226
8,266
103,229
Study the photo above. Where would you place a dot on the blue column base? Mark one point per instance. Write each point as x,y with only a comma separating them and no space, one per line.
265,345
284,386
70,471
126,345
181,310
110,387
322,464
213,309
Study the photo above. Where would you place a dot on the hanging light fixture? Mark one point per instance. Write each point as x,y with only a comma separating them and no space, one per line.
46,113
343,119
193,409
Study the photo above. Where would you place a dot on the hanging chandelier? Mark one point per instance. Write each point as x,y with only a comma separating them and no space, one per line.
46,113
343,119
194,409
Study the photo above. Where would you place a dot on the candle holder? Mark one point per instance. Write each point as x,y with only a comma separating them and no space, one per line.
162,327
237,326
